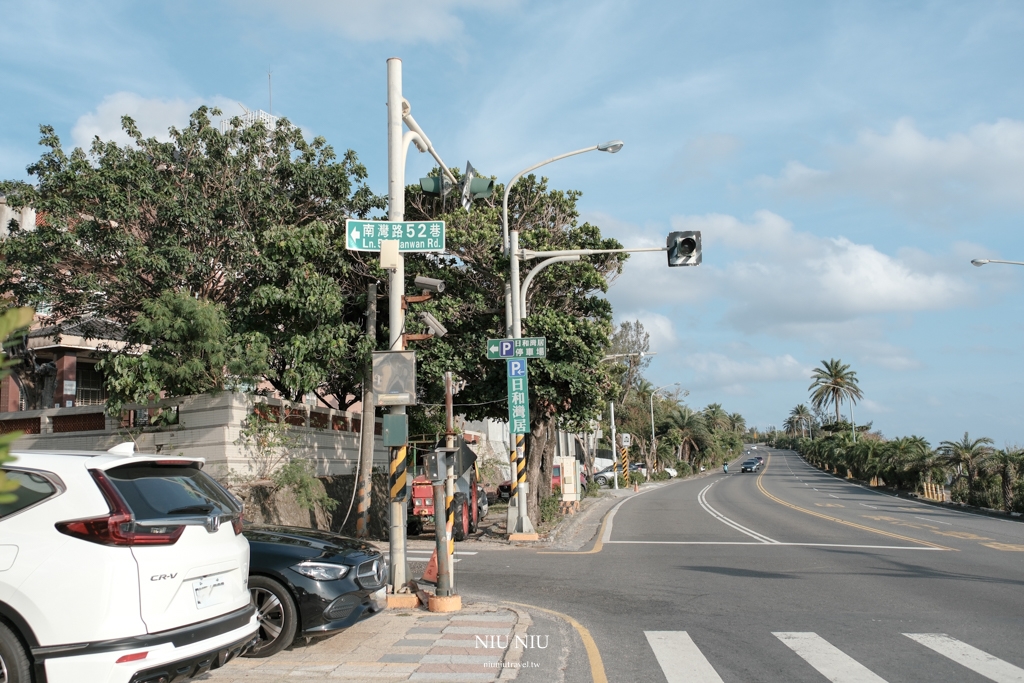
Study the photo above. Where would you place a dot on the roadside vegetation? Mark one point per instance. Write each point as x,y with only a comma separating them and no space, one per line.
685,438
973,470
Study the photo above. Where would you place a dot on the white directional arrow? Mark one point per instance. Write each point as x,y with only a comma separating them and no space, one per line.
493,349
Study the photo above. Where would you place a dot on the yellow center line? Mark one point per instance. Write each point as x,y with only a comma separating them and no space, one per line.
873,530
593,654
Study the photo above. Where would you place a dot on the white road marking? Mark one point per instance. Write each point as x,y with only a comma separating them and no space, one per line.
932,519
728,522
680,659
869,506
776,543
833,496
974,659
830,661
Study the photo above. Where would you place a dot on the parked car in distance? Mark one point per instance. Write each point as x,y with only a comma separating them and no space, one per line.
307,582
605,476
117,567
751,465
671,471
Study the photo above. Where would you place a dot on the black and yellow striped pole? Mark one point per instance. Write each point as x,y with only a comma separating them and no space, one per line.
397,480
520,464
624,460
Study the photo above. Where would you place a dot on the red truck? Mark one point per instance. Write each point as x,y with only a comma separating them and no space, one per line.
469,502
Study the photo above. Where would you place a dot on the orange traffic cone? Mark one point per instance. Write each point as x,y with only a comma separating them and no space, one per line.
430,573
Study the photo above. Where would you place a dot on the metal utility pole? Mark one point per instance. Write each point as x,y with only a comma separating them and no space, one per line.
396,318
364,488
445,536
615,446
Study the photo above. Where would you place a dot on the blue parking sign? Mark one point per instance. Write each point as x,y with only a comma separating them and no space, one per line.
507,348
516,368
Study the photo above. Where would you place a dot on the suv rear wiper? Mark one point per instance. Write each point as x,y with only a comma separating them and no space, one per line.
192,510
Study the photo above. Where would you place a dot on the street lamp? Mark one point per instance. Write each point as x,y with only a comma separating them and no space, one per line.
513,310
982,261
653,451
510,239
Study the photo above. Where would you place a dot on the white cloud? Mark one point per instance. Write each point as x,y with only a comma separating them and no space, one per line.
400,21
153,116
788,277
912,171
732,375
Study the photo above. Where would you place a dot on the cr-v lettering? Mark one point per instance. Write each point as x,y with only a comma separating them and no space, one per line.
161,577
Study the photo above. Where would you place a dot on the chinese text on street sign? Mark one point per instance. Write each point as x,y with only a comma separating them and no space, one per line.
528,347
518,397
411,236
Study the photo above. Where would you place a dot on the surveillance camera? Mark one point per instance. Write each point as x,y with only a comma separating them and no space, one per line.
430,284
430,321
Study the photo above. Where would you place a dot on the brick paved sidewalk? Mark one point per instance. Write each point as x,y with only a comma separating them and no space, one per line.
398,645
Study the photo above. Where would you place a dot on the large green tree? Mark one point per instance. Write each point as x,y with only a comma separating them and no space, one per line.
567,389
248,223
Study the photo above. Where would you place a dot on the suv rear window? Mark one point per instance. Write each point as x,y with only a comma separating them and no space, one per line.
155,491
32,488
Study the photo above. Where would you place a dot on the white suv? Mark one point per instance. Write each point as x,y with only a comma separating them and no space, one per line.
123,568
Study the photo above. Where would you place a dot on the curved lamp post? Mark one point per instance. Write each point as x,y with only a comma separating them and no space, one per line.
510,238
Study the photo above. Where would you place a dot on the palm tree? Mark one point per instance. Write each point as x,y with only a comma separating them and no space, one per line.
792,425
833,383
693,432
966,454
1005,463
801,415
715,417
737,423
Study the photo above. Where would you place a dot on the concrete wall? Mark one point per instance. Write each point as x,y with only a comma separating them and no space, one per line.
208,427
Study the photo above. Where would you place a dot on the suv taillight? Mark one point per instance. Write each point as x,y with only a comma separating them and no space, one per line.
118,527
238,521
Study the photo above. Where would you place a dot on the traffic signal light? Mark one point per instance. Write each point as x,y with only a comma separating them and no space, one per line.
473,187
437,185
683,248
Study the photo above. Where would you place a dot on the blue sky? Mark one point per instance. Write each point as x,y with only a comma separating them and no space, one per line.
844,160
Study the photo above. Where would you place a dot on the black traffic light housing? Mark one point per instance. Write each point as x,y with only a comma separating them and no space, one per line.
683,248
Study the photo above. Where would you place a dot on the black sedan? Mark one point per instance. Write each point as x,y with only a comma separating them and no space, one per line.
306,582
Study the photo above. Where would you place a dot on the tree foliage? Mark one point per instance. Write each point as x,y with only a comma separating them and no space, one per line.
11,321
247,223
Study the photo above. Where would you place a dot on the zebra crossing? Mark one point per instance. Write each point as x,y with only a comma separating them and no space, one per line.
681,661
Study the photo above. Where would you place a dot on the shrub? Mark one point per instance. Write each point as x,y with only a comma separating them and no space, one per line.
299,476
660,476
592,489
549,507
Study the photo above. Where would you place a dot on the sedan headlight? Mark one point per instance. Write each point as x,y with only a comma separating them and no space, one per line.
321,571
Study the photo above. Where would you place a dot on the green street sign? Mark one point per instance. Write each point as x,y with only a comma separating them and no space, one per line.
518,397
411,235
527,347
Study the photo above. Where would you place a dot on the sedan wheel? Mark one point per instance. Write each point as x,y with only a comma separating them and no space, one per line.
14,665
275,611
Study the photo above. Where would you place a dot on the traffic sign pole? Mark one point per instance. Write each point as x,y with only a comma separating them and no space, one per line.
396,321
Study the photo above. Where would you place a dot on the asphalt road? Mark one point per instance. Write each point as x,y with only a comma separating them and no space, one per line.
784,575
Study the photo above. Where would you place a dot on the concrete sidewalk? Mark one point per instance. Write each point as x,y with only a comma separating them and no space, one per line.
475,644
